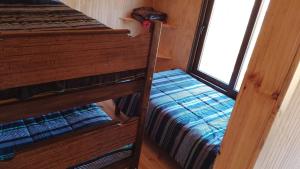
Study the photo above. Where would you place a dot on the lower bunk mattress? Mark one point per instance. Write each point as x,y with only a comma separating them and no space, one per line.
107,159
186,118
16,134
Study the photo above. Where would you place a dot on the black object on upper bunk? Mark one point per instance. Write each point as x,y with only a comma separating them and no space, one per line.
147,13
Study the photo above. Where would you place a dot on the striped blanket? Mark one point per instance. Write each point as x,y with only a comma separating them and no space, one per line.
28,131
107,159
186,118
23,132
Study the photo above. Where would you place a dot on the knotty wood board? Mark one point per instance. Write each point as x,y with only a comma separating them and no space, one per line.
282,149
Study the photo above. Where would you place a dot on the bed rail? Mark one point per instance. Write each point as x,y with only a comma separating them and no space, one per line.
29,58
75,148
45,104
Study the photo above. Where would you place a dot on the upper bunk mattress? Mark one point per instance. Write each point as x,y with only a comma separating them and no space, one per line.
43,15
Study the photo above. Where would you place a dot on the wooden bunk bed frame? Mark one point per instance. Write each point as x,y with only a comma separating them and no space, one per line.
70,54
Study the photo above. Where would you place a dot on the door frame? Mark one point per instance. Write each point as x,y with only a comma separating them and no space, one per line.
270,71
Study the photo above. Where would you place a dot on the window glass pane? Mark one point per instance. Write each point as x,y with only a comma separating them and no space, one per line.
224,37
252,43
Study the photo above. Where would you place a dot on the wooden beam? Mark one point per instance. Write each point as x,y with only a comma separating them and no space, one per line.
74,148
270,71
35,58
144,99
39,106
49,33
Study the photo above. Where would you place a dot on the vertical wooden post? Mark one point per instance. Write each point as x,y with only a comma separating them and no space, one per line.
117,111
270,71
144,99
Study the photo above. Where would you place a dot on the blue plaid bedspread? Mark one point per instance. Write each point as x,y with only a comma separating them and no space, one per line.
23,132
186,118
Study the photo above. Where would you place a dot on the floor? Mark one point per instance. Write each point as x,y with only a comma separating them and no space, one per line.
151,157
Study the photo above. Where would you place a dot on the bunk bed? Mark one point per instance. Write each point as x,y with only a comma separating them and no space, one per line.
55,65
186,118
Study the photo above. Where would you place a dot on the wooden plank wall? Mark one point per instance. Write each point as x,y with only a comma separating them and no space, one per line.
176,41
109,12
282,147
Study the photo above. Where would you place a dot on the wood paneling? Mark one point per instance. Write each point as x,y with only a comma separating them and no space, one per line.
176,40
282,147
109,12
72,54
271,68
176,43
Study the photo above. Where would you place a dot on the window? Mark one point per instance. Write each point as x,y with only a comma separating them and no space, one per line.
225,39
